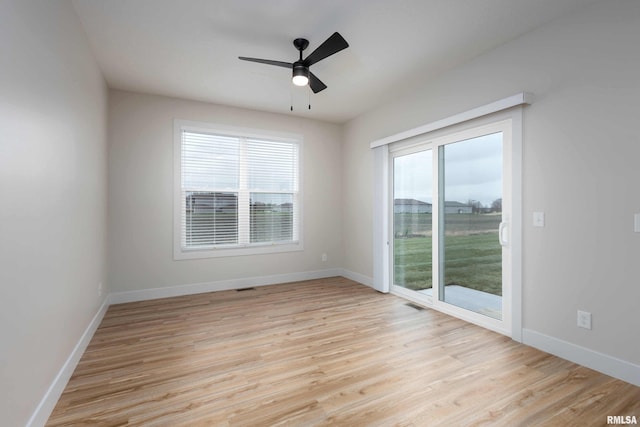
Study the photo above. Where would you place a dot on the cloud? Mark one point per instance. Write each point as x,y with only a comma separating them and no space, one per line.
472,171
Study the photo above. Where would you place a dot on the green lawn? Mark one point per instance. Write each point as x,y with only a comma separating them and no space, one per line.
472,252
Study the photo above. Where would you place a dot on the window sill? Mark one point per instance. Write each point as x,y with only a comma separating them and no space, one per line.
182,254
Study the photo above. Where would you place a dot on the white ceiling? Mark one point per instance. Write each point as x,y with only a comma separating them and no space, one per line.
189,48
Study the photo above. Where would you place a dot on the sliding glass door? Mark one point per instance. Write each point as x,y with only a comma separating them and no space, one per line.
450,226
412,220
470,206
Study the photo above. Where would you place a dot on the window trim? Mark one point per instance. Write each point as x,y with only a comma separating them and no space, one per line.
255,249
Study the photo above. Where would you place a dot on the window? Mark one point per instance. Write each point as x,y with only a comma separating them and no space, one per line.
237,191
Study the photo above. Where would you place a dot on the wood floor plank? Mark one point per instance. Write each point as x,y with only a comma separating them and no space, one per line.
319,353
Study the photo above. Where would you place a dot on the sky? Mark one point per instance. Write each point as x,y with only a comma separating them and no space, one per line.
472,168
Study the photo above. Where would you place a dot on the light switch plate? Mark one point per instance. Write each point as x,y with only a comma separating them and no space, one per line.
538,219
636,223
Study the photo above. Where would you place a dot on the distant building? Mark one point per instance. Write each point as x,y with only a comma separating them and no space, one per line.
209,202
457,208
411,206
418,206
271,207
203,202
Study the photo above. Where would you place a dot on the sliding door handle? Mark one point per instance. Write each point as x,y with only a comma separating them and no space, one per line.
503,237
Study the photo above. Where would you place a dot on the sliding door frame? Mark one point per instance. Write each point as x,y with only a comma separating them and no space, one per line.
508,121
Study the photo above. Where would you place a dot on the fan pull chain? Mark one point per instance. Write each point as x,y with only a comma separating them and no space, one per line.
308,95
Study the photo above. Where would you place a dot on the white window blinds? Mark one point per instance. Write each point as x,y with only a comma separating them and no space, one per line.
237,191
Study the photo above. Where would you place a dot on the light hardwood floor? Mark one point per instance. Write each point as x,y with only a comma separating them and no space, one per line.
318,353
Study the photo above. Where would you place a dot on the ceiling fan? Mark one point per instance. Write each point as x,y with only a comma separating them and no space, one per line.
300,69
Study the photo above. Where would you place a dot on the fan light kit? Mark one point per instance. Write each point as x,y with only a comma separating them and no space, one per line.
300,69
300,76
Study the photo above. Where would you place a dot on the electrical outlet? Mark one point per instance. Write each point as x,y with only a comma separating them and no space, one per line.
100,289
584,319
324,257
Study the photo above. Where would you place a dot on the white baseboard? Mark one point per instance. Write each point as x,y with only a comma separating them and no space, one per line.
609,365
48,402
357,277
221,285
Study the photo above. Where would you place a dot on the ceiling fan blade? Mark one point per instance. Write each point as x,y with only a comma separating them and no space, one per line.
333,44
316,84
267,61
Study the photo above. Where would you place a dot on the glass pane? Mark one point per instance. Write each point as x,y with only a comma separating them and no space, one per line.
471,211
210,219
412,212
272,166
210,162
271,217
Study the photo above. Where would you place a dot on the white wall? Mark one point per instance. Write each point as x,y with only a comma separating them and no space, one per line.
52,197
581,151
141,195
